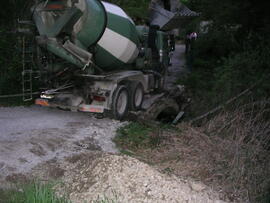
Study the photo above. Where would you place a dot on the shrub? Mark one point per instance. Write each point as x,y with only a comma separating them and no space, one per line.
219,74
241,71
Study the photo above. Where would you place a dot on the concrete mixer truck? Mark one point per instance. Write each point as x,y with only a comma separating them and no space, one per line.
91,57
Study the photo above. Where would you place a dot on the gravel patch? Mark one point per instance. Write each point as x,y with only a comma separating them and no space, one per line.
125,179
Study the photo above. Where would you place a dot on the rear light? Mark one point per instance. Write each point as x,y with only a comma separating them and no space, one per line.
42,102
55,6
99,98
91,108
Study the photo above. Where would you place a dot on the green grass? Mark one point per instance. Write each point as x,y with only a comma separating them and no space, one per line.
135,136
31,193
132,135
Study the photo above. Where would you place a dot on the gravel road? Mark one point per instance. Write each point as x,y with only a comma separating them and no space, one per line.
177,69
31,135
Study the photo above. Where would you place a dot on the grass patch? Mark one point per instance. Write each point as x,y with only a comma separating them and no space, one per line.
133,136
137,136
31,193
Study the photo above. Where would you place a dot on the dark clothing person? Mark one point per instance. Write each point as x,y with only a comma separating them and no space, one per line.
190,43
187,43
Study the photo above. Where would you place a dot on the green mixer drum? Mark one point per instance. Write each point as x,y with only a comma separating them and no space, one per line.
110,30
91,26
98,27
119,44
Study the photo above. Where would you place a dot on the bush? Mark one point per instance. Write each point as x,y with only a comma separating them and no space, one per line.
217,42
221,71
241,71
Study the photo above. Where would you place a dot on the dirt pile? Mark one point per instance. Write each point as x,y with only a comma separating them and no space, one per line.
125,179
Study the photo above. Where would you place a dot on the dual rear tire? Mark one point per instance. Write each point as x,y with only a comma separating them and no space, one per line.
127,98
136,96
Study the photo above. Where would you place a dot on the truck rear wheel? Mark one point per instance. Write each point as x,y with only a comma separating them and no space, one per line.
137,94
120,102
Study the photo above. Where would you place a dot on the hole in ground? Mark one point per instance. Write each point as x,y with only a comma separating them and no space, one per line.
167,115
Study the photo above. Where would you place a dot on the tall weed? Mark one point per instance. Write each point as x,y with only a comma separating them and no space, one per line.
31,193
233,148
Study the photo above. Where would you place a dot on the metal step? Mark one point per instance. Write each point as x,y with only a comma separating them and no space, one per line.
25,22
27,72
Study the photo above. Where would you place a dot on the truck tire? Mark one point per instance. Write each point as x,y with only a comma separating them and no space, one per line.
120,102
136,96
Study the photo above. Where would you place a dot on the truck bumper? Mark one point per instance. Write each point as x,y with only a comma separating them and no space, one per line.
82,107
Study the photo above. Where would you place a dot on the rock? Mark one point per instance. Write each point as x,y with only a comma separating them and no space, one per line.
198,187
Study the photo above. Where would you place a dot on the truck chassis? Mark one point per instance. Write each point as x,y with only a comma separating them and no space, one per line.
116,92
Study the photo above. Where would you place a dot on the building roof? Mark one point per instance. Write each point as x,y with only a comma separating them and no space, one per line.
168,20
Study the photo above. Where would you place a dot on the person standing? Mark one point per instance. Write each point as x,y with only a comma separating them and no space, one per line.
187,42
190,44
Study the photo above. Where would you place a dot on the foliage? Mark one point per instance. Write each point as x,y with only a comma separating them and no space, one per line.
249,14
241,71
135,9
35,192
10,49
232,56
10,72
10,65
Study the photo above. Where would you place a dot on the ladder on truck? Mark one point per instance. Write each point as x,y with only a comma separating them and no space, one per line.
27,68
